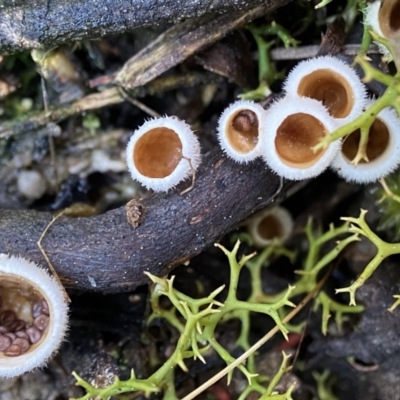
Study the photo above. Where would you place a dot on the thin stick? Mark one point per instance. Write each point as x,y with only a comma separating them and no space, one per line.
302,52
125,95
258,344
49,135
39,244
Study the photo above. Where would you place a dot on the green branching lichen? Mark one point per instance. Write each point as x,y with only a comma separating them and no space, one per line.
196,320
384,250
389,205
312,266
269,393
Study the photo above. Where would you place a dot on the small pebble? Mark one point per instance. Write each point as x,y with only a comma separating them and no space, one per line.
7,318
45,307
5,343
13,351
41,322
17,325
22,343
22,334
11,335
34,334
40,307
3,329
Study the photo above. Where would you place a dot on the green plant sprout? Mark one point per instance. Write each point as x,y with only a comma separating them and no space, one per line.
324,385
388,99
384,250
196,321
266,69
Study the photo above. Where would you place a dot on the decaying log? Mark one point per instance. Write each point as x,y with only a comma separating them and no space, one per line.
39,24
183,40
105,253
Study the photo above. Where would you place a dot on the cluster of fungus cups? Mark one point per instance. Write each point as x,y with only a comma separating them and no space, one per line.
33,316
321,94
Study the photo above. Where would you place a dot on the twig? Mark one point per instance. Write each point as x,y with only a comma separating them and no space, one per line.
302,52
98,100
139,104
39,244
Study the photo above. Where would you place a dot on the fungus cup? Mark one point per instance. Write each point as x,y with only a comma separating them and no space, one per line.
293,128
269,225
162,152
239,130
33,316
384,19
389,18
383,150
372,17
332,82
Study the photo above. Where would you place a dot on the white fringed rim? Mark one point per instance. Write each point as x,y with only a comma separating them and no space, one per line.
389,18
20,269
189,159
251,144
372,16
270,224
386,162
372,20
311,114
348,81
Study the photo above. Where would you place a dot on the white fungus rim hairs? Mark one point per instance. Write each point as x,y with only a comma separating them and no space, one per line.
162,152
33,312
384,17
372,19
383,150
293,127
331,81
239,128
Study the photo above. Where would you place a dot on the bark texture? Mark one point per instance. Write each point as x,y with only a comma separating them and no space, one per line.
105,253
48,23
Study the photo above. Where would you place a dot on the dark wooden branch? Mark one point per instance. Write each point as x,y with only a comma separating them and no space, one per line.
183,40
104,253
49,23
